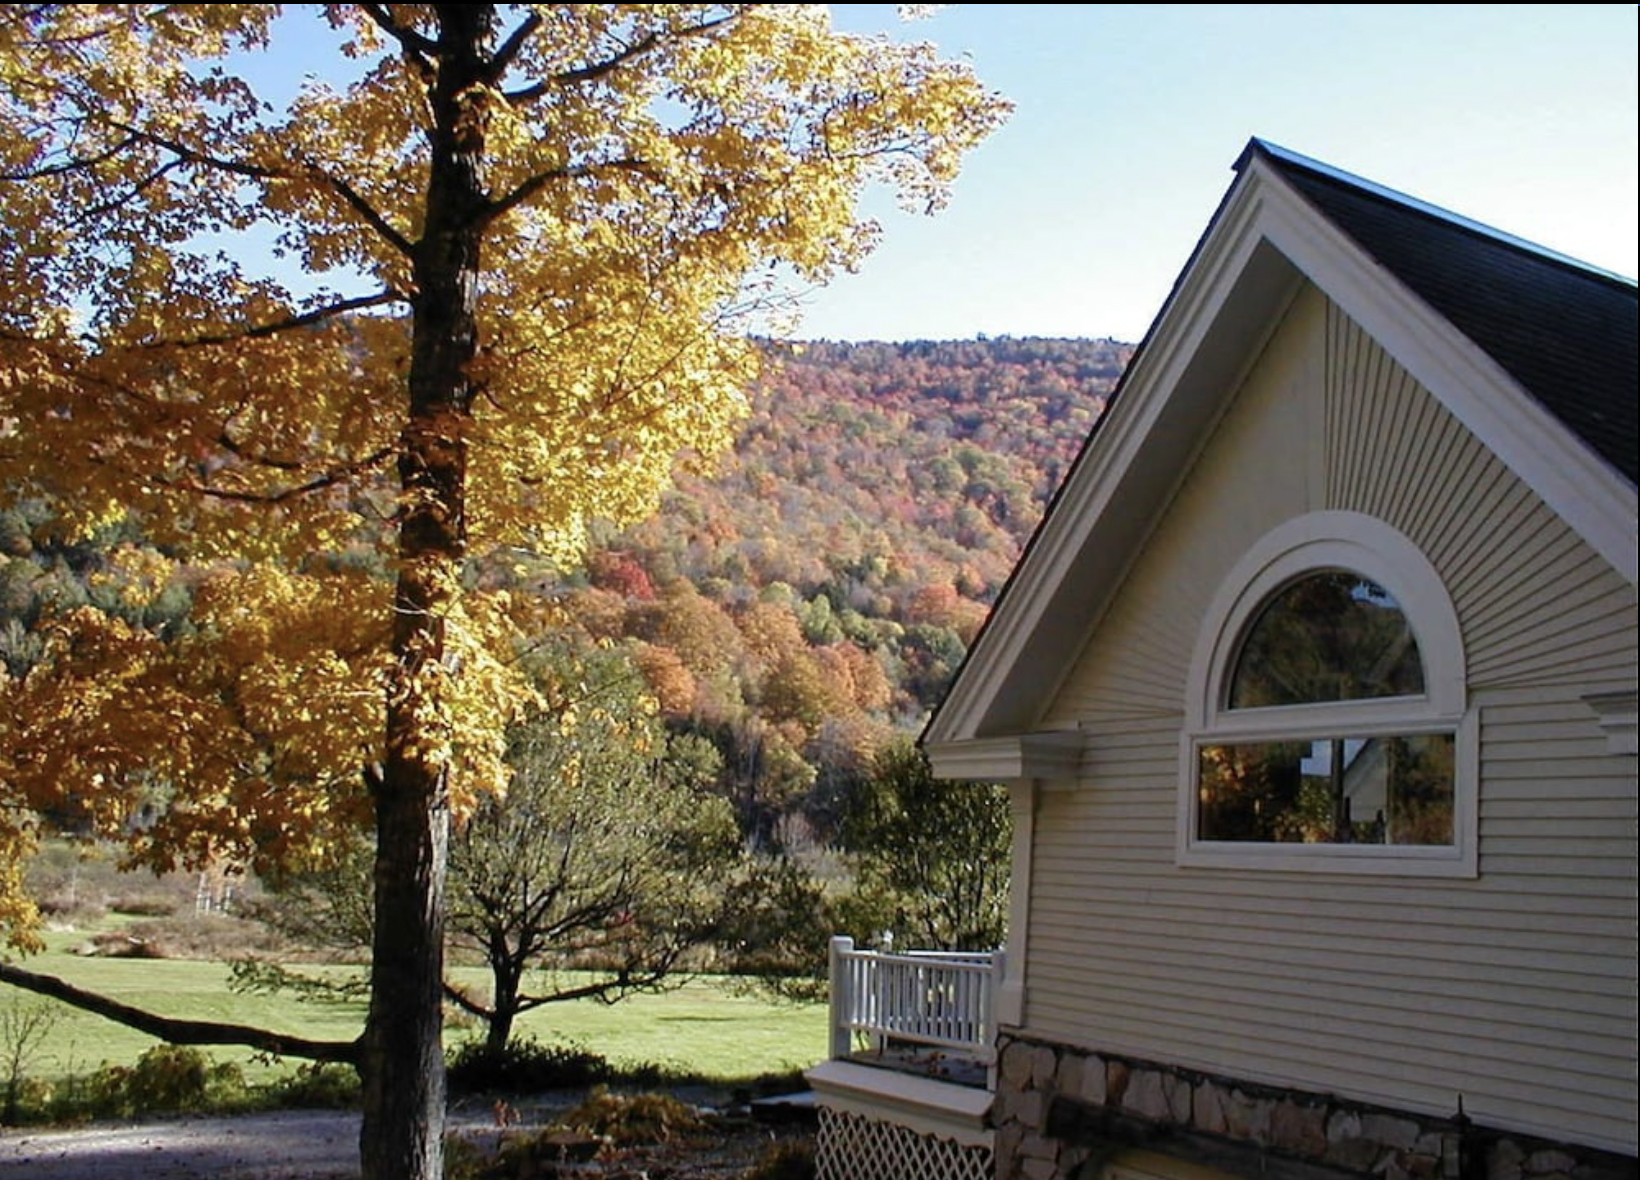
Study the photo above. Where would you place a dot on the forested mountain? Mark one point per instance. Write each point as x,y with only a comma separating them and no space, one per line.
821,588
930,460
805,602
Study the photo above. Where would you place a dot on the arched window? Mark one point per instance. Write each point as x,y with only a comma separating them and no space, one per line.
1327,728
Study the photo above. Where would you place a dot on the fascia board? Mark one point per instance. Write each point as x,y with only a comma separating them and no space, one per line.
927,1106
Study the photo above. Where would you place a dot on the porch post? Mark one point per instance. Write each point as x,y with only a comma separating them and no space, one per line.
1010,976
842,1003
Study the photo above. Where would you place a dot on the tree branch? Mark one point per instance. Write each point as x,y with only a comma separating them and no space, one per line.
181,1032
70,165
317,484
184,152
305,320
466,1003
308,170
414,44
598,990
510,48
136,189
609,65
364,209
528,187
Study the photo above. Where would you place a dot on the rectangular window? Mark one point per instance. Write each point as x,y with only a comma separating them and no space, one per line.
1372,790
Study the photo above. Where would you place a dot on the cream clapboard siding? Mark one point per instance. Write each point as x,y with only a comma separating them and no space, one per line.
1516,990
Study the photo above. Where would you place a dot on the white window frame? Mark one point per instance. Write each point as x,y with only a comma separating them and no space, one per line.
1366,546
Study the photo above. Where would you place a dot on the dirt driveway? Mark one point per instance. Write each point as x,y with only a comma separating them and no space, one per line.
287,1145
309,1145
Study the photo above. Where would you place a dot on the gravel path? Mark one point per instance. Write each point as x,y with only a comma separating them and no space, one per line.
287,1145
305,1145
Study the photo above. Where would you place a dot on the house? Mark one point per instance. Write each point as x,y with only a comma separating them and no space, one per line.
1316,695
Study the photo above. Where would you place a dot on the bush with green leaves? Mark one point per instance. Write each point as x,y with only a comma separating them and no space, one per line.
167,1079
522,1066
317,1085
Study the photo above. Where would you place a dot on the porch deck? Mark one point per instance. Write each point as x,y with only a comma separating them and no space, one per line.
927,1013
955,1066
910,1080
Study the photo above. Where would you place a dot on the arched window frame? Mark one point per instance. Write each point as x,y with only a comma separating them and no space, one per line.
1366,546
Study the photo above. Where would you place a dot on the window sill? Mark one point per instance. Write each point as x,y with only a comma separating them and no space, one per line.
1333,859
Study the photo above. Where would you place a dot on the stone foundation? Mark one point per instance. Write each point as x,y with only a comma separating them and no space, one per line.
1061,1113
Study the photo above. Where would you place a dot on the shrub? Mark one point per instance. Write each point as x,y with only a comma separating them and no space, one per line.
768,1085
625,1119
122,944
790,1159
523,1066
317,1085
28,1100
465,1161
599,1128
144,905
167,1079
204,936
24,1028
66,906
172,1078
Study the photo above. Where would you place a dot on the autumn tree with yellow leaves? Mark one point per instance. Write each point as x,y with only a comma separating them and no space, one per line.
490,282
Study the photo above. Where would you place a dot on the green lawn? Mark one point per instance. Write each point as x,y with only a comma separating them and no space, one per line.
706,1028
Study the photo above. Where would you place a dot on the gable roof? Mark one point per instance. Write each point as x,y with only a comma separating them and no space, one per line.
1534,352
1568,333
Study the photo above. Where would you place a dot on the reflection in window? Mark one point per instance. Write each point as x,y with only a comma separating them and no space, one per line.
1381,790
1330,636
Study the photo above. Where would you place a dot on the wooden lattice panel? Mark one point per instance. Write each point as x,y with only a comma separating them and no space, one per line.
850,1147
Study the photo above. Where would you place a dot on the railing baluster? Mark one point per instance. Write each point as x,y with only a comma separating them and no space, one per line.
927,997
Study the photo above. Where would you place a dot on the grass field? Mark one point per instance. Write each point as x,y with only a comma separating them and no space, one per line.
706,1028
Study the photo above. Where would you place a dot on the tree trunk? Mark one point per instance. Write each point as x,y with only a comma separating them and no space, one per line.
401,1137
499,1032
507,976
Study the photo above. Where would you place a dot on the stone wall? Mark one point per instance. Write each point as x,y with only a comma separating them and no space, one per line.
1062,1112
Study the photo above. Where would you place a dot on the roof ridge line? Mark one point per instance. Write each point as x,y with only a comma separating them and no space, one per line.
1429,209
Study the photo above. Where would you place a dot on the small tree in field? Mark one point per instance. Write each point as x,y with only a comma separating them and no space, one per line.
23,1029
928,861
529,235
603,855
603,867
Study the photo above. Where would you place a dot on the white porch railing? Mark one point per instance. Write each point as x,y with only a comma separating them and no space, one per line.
946,1000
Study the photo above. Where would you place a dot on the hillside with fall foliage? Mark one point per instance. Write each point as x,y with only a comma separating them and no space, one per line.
810,598
870,471
819,590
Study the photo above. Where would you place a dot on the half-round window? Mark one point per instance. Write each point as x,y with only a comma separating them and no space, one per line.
1330,728
1329,636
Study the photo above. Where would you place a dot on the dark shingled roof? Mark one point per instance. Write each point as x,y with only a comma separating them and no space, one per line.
1566,331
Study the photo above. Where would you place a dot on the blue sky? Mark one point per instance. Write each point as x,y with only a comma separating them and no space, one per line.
1075,219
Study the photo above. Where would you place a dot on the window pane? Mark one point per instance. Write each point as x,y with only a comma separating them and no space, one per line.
1382,790
1332,636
